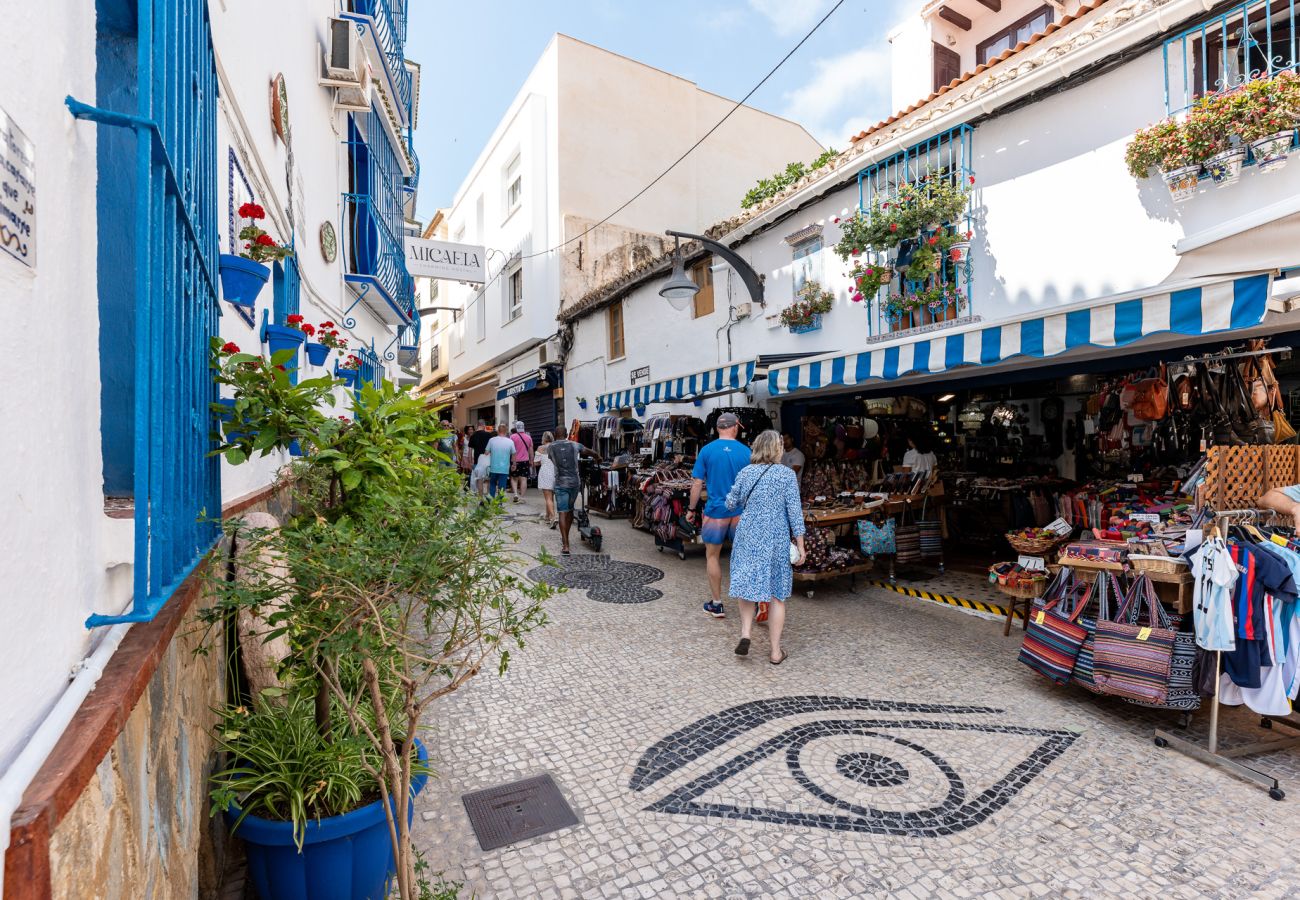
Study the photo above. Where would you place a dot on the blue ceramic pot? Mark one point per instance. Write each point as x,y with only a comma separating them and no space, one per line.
317,353
350,377
295,449
242,279
228,415
814,325
347,857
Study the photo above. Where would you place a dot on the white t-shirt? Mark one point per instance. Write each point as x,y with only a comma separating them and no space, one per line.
920,462
792,458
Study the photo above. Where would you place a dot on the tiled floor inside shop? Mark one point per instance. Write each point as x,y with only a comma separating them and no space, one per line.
901,750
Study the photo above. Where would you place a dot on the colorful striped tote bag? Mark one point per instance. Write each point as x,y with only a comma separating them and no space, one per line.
1108,586
1131,660
1182,694
1052,641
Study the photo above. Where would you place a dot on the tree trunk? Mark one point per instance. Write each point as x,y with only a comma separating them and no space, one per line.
323,725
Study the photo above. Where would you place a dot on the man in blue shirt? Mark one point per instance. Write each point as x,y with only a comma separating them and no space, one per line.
715,470
501,452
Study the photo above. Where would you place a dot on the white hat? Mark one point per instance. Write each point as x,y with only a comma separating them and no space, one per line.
519,426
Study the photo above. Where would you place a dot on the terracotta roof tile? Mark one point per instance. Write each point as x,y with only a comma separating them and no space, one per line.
982,67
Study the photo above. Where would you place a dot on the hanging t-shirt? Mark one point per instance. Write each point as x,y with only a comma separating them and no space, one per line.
1216,575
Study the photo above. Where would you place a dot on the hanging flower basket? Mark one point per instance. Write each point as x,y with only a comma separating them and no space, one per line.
1182,182
350,377
317,354
1225,168
958,250
582,404
1271,152
813,324
242,279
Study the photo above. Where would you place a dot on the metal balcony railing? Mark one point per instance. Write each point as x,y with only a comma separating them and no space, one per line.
945,155
1257,39
372,370
389,17
373,212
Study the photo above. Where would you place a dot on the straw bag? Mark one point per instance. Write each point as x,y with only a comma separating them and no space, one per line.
1052,640
1133,661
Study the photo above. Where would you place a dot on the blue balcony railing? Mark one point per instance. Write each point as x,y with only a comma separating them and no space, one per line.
372,370
373,212
1257,39
945,155
389,17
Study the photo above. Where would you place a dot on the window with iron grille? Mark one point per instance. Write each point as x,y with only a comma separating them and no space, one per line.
1253,40
945,157
374,210
157,207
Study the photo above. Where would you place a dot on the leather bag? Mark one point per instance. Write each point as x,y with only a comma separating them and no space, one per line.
1151,398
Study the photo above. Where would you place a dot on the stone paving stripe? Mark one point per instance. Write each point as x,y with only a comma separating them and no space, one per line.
979,605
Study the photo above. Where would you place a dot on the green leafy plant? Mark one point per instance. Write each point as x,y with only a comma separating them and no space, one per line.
869,278
937,199
812,300
770,187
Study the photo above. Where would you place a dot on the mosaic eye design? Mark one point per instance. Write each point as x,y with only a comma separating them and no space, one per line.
604,579
899,770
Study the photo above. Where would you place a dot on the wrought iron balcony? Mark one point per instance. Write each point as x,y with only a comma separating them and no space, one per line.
389,17
1257,39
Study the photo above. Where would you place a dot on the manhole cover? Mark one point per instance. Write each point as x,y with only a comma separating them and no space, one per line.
604,579
514,812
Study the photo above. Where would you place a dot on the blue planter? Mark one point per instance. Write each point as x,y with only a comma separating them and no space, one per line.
640,410
317,353
348,857
582,404
242,280
350,377
814,325
295,449
228,415
282,337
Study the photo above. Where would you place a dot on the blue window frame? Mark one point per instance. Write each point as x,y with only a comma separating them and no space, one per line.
1257,39
374,212
157,206
286,289
948,155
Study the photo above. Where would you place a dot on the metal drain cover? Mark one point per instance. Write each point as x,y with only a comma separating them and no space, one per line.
517,811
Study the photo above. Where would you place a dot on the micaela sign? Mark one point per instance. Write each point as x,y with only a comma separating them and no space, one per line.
443,259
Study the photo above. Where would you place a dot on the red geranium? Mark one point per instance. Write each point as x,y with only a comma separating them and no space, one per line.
252,211
229,347
893,226
293,320
265,240
933,240
306,329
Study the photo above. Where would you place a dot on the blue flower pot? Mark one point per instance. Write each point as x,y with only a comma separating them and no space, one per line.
350,377
317,353
228,415
242,279
282,337
295,449
640,410
347,857
814,325
582,404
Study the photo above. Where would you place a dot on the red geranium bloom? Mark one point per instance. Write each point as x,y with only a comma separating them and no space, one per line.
893,226
229,347
933,241
252,211
836,220
293,320
308,330
972,179
326,324
266,240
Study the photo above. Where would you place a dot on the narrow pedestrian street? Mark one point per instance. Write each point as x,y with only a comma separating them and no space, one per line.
901,750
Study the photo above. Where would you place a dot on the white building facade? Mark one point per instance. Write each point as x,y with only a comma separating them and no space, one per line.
178,114
586,130
1068,248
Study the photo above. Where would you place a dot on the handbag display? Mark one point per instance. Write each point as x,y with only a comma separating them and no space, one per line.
1052,641
876,539
1151,398
1131,660
1107,586
1183,693
907,541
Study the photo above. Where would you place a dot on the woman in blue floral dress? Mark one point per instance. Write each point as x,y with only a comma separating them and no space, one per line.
768,494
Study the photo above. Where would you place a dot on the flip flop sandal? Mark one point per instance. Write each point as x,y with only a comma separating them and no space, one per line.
785,654
565,552
742,649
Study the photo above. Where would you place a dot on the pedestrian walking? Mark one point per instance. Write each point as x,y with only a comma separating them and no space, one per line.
478,475
715,472
546,476
465,453
564,455
766,494
522,461
501,453
447,444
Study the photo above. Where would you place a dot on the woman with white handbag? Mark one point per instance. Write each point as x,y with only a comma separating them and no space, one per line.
769,540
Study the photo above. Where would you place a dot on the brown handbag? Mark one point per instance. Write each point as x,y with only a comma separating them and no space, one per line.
1151,398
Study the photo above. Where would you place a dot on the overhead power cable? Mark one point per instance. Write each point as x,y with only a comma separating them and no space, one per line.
660,177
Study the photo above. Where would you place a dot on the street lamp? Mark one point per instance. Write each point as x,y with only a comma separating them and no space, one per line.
680,289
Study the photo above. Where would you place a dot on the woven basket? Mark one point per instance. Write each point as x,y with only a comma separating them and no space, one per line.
1023,590
1034,546
1165,565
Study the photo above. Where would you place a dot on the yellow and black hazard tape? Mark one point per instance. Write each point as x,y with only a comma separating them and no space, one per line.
962,602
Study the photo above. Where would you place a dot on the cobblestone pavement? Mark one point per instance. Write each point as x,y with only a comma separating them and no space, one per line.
900,751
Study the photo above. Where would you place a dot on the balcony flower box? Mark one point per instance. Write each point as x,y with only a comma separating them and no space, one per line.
1182,182
813,324
1225,168
1271,152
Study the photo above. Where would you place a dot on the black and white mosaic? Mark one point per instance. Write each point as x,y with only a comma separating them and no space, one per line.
909,775
605,579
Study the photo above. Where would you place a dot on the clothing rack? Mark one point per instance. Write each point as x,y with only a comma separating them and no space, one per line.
1210,753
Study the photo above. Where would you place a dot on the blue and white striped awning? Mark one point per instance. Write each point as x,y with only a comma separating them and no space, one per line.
1201,307
732,377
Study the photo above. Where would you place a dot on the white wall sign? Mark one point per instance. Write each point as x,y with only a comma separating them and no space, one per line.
443,259
640,374
17,192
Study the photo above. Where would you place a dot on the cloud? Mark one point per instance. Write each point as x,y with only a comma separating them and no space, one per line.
724,19
849,90
790,16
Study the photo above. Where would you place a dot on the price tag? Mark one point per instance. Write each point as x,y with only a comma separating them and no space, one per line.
1278,539
1152,518
1137,479
1144,634
1060,526
647,451
1032,563
1039,618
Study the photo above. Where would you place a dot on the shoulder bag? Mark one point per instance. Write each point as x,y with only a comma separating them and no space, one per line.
1107,586
1133,661
1052,640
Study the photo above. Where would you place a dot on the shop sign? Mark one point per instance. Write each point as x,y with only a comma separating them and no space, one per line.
444,259
1060,526
1032,563
17,192
1149,518
638,374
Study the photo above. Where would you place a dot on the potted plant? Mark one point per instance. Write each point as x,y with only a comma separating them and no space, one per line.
349,371
328,339
1213,138
243,275
582,403
1265,117
805,313
386,591
958,246
289,336
1164,145
869,278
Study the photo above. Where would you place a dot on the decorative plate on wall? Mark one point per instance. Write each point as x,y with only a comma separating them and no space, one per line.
329,242
280,107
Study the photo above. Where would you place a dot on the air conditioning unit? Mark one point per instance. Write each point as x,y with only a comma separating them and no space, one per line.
343,56
743,310
356,97
548,352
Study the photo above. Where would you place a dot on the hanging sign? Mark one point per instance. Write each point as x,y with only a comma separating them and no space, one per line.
444,259
17,192
1060,526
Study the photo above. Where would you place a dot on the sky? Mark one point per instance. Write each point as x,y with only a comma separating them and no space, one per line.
475,56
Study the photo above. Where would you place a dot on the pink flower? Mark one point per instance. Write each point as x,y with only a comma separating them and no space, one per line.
856,298
836,220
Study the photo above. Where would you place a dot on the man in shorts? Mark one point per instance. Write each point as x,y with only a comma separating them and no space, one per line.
564,455
715,470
